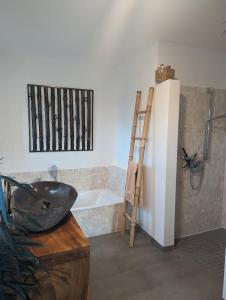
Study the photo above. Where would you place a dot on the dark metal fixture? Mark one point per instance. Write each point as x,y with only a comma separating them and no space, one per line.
53,172
191,162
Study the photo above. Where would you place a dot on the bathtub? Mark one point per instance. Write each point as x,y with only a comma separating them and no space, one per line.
98,211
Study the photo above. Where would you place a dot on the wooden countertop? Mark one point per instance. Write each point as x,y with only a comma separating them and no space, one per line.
65,254
67,239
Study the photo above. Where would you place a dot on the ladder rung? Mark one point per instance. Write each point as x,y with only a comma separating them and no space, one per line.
138,138
141,112
128,217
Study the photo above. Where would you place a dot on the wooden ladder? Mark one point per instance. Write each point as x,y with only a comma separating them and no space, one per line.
147,113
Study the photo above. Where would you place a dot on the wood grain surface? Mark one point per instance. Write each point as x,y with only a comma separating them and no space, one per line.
65,253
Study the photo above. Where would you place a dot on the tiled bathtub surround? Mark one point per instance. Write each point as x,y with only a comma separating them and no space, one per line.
96,220
111,177
100,220
116,179
197,212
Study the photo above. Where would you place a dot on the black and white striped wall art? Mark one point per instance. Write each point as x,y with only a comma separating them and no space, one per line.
60,119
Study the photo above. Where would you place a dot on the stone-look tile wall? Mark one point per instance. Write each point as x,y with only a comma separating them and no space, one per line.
111,177
223,223
116,179
100,220
197,212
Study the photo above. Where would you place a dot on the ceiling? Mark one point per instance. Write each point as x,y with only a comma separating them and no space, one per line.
111,28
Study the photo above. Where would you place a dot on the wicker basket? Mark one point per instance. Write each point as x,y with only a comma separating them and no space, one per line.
163,73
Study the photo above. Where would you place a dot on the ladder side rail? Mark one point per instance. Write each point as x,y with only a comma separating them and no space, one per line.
140,165
131,154
134,125
144,136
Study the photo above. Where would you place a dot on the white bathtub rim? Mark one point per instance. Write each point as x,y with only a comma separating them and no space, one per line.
96,205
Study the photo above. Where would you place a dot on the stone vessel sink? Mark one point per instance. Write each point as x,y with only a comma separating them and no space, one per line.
45,203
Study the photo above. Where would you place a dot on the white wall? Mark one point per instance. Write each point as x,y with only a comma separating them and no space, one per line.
157,217
15,72
115,91
137,73
194,66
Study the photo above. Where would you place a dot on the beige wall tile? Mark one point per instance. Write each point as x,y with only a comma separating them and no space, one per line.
200,211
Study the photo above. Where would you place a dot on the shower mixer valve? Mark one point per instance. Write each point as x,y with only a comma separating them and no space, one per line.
191,162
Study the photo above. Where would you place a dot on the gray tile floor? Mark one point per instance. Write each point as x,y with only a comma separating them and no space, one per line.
191,271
